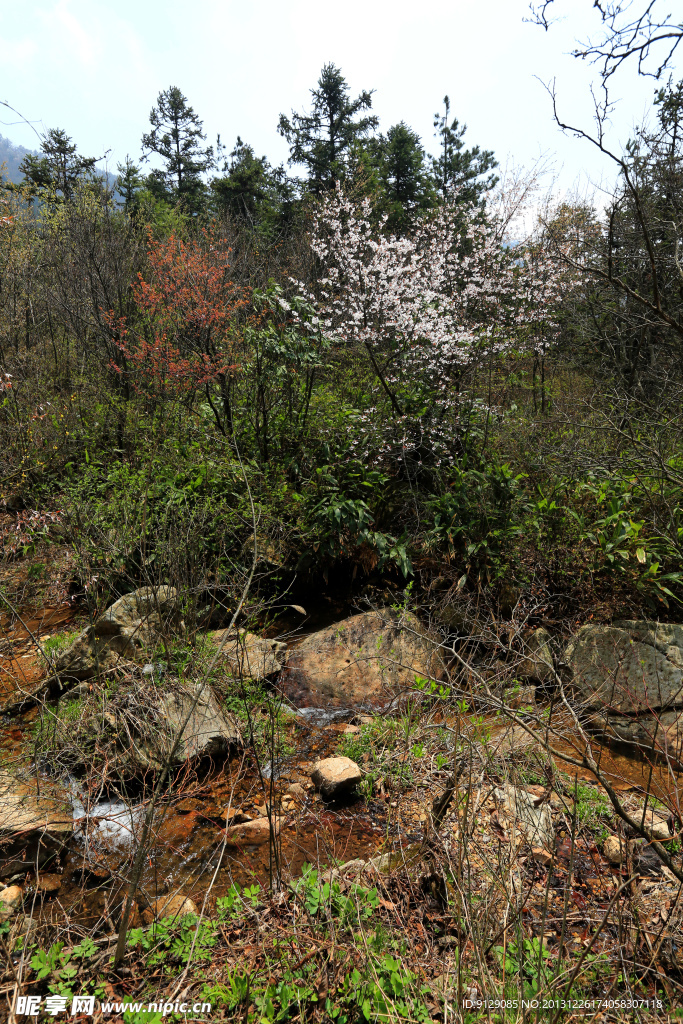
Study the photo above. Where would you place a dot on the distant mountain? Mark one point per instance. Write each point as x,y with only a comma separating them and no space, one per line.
10,158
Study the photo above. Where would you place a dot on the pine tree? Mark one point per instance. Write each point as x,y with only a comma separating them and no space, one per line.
176,136
405,188
60,167
323,140
252,191
458,168
129,184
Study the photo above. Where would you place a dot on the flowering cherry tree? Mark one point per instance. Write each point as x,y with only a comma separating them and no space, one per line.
428,307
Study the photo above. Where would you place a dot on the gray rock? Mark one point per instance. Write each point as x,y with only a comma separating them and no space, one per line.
629,678
129,625
538,661
631,668
519,807
336,776
368,656
248,655
210,732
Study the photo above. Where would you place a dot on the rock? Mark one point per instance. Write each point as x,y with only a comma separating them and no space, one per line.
351,869
659,827
209,733
538,662
249,655
48,884
336,776
297,791
371,655
169,906
251,832
629,677
131,623
34,805
534,823
614,849
10,901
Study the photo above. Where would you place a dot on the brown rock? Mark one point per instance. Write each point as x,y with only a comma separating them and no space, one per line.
248,655
48,884
210,732
614,849
251,832
10,900
371,655
336,776
297,791
169,906
29,806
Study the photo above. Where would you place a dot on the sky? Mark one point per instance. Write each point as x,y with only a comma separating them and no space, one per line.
95,69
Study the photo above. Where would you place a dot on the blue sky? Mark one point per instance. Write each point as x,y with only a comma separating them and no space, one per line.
95,70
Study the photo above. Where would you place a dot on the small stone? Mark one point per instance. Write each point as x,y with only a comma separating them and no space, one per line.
336,776
614,850
297,791
10,899
251,832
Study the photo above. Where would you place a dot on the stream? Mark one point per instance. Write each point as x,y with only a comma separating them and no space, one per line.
189,851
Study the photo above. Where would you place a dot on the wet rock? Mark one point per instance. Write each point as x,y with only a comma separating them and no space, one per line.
251,832
519,807
10,901
210,732
336,776
248,655
48,884
176,906
368,656
538,662
629,677
130,624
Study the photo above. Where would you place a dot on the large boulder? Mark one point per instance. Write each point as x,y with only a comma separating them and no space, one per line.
369,656
629,679
130,624
36,820
210,732
249,656
537,663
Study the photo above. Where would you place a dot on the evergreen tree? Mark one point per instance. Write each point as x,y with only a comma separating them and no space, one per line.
405,188
176,136
129,185
459,168
252,191
323,140
59,168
